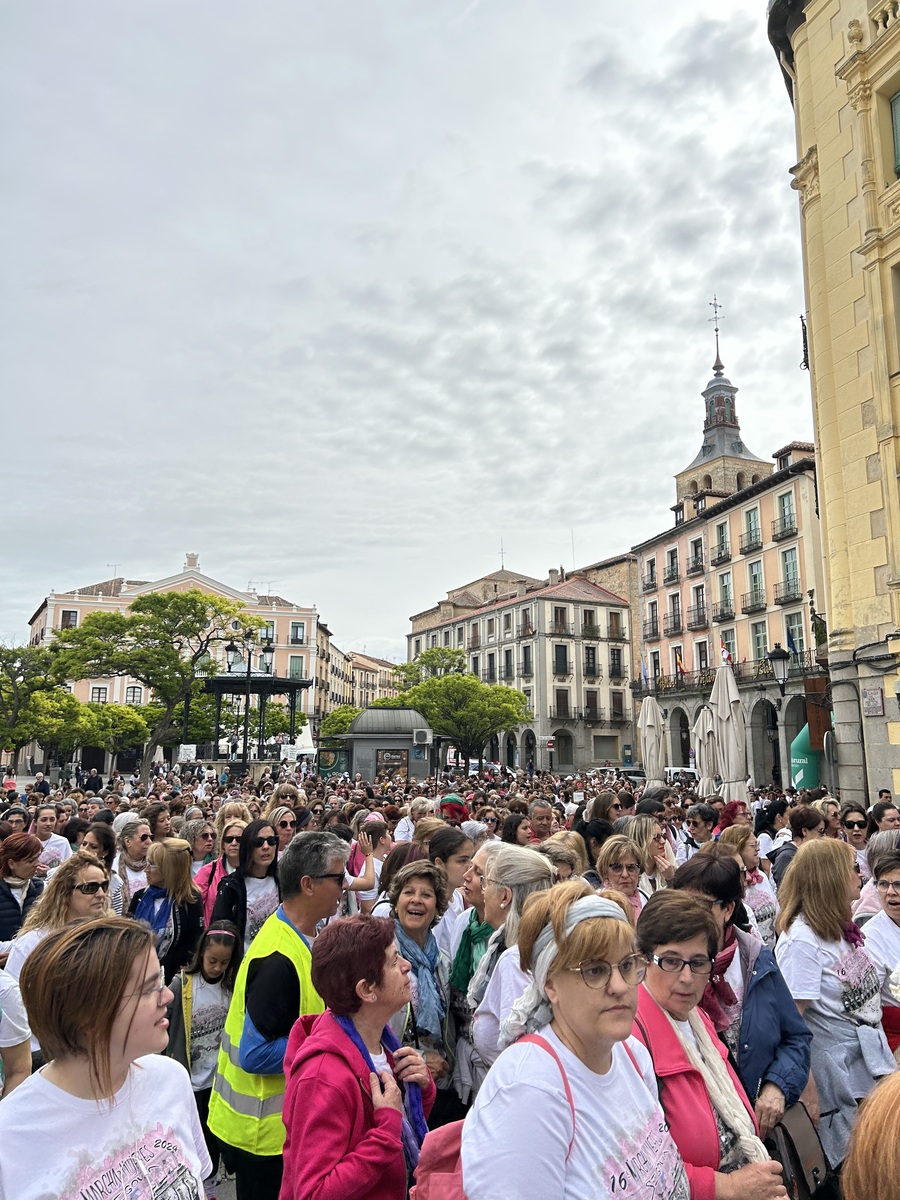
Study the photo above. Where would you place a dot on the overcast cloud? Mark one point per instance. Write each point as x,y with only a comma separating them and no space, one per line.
339,295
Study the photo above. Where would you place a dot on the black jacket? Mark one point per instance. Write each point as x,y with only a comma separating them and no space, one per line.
11,916
187,922
231,901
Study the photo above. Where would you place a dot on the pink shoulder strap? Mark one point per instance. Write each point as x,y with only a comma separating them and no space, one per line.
539,1041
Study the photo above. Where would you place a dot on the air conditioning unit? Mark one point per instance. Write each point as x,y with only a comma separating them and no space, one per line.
421,737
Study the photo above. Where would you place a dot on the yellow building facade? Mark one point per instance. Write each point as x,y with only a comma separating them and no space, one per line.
841,63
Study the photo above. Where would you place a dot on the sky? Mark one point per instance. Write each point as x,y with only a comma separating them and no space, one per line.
344,297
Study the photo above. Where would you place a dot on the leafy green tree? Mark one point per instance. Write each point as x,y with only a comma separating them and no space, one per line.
24,671
60,723
338,721
437,661
164,641
464,710
119,727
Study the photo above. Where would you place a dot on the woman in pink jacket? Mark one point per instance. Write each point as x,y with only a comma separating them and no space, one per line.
228,854
710,1118
361,1134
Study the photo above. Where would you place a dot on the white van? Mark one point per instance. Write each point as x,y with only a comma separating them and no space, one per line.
677,774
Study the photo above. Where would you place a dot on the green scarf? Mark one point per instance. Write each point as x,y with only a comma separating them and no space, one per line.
471,947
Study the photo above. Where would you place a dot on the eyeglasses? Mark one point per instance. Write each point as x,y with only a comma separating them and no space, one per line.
333,875
228,841
702,965
598,974
855,824
265,841
888,885
629,868
491,820
209,834
151,989
91,889
287,824
318,812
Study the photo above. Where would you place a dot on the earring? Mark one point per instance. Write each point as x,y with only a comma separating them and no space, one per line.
503,904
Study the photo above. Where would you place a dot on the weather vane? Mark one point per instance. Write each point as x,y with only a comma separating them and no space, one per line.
717,308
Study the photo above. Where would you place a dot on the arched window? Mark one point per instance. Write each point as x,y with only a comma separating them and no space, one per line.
694,488
707,482
741,481
755,479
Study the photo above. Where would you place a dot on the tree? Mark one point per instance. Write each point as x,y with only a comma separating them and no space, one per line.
338,721
24,671
60,723
119,727
438,661
464,710
163,641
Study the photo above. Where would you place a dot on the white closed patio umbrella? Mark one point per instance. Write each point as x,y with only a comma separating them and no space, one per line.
705,751
652,731
731,734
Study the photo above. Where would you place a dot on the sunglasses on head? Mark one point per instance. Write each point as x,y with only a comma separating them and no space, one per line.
91,889
265,841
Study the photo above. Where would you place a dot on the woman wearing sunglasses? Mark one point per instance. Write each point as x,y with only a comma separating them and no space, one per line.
707,1109
201,838
284,821
77,889
572,1111
250,895
108,1113
131,861
228,853
854,830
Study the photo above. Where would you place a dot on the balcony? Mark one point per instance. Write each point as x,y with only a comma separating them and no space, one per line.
617,672
649,583
651,631
695,565
593,715
562,667
787,591
507,673
474,642
489,676
297,641
617,633
525,629
759,669
723,610
751,541
561,629
784,527
618,717
720,554
671,623
593,671
753,602
526,669
698,617
672,573
590,631
563,714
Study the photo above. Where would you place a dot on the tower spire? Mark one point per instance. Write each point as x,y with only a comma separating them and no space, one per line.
718,365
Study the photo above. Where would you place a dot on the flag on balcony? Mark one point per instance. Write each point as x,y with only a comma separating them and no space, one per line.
679,665
791,644
644,676
726,653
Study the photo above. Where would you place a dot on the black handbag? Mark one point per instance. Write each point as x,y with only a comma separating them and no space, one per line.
795,1144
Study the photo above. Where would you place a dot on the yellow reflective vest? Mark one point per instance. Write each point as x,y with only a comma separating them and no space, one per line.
245,1109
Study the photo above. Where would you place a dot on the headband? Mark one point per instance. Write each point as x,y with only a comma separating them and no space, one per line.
221,933
532,1011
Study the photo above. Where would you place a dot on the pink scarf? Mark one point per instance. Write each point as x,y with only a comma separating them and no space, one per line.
718,1000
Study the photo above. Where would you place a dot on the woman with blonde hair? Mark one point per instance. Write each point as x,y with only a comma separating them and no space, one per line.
619,868
657,859
834,984
108,1106
228,854
170,904
574,843
872,1166
284,821
759,895
571,1109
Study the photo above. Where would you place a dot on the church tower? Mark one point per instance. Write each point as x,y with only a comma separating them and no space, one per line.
724,465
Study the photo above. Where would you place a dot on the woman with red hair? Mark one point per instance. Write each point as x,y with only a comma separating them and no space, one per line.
735,812
20,854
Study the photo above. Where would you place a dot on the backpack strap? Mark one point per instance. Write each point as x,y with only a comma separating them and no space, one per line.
659,1083
542,1042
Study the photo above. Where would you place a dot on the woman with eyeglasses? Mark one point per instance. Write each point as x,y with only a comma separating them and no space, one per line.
202,840
759,895
605,806
835,986
570,1108
619,868
710,1117
854,830
228,853
19,889
170,904
131,861
78,889
108,1113
883,942
250,895
699,823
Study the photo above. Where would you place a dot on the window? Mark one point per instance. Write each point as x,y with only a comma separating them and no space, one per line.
751,520
417,644
650,570
474,664
490,627
725,592
507,664
298,635
615,625
266,631
700,506
701,655
730,643
98,695
671,563
679,514
677,658
560,660
490,675
790,570
527,623
755,577
794,636
562,702
589,622
654,663
527,668
675,606
560,620
697,552
295,666
784,461
653,612
700,596
447,637
617,706
606,748
591,710
69,619
722,535
526,692
507,622
590,660
895,122
134,695
786,506
615,663
460,635
759,637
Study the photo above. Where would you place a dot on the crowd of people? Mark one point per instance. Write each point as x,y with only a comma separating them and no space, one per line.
570,987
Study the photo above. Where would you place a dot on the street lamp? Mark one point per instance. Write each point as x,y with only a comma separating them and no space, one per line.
267,657
232,654
781,661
